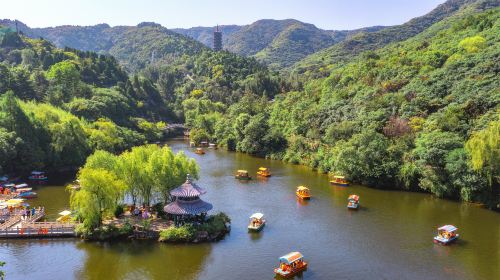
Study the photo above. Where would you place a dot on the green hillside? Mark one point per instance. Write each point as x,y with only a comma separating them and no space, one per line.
414,115
59,105
324,59
133,46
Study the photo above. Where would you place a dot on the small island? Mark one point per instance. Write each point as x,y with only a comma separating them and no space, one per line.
116,195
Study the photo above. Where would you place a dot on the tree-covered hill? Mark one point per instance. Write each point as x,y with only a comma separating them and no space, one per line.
205,34
278,43
422,114
134,46
59,105
364,41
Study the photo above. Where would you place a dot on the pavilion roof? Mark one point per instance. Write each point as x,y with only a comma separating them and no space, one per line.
188,189
179,207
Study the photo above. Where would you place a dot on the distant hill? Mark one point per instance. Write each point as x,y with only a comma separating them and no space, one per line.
364,41
133,46
205,34
279,43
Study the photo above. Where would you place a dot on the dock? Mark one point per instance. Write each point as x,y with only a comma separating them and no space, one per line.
17,226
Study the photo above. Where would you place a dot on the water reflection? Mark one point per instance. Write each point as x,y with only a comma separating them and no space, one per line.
141,260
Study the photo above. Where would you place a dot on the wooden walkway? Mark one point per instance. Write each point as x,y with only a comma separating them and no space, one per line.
40,230
28,227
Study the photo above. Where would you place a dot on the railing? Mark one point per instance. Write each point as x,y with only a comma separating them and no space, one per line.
43,229
14,219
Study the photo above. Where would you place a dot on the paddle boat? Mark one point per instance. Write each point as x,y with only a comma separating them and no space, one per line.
264,172
257,222
199,151
303,192
339,181
353,201
27,194
446,234
212,145
290,265
21,186
21,190
38,176
65,217
242,175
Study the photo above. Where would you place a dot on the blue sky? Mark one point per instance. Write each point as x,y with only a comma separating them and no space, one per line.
326,14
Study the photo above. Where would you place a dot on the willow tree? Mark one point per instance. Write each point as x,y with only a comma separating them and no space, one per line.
97,196
131,169
484,150
169,170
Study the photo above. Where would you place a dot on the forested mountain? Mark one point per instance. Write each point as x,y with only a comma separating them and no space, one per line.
373,40
134,46
278,43
59,105
205,34
422,114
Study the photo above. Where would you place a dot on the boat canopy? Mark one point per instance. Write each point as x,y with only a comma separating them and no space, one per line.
262,168
37,172
20,186
10,185
24,189
242,171
257,216
65,213
291,257
302,188
14,202
354,197
448,228
338,177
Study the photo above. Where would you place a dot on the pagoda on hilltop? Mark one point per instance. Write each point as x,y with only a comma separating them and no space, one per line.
217,39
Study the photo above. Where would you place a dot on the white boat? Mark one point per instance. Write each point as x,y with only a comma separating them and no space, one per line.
257,222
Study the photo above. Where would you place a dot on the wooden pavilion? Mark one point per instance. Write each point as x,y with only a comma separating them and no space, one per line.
187,205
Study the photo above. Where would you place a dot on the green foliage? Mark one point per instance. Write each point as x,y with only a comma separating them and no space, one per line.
473,44
183,233
2,273
98,196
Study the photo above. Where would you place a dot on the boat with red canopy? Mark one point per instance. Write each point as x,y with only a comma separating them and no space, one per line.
353,201
291,264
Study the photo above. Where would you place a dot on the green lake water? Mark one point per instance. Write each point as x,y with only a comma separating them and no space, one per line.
390,237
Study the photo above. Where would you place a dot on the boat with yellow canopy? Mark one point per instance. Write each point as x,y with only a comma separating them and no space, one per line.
290,265
303,192
199,151
242,175
264,172
339,181
65,217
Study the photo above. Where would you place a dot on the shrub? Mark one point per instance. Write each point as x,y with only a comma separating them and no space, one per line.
183,233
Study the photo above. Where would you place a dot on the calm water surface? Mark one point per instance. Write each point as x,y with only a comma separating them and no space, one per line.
390,237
